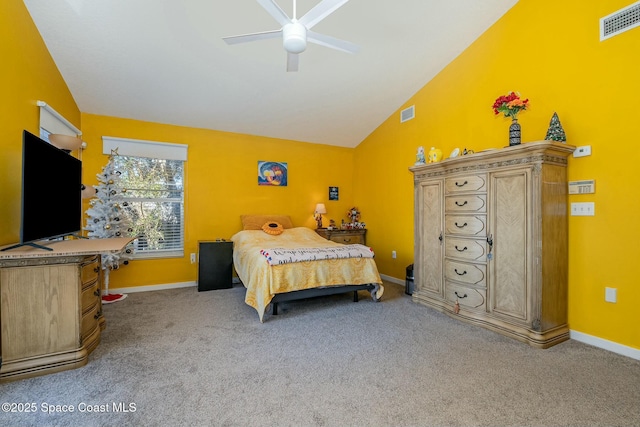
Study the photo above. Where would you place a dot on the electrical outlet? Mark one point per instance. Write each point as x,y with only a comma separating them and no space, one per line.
193,258
393,254
583,209
610,294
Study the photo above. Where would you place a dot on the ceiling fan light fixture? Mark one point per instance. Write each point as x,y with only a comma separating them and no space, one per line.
294,37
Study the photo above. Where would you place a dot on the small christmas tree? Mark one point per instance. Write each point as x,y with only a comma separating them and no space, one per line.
555,132
108,217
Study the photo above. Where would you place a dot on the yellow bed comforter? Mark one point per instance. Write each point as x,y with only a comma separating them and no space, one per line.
263,281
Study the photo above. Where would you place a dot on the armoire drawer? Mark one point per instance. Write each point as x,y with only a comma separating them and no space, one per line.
467,249
466,183
466,297
466,203
471,274
465,225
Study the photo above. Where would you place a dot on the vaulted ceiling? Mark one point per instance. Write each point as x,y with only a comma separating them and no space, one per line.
165,61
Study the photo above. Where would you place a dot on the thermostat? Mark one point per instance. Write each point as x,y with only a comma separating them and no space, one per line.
582,187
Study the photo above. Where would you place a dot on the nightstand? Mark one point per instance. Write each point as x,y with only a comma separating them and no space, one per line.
346,237
215,261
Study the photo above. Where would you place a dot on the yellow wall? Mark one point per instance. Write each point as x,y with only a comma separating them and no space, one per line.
27,74
550,52
221,180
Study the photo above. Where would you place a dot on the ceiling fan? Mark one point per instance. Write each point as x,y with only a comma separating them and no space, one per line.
297,32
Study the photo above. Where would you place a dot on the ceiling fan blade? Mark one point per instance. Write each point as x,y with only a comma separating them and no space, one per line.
252,37
274,10
292,61
332,42
320,11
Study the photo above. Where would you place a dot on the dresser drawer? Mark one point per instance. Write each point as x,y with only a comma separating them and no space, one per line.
466,297
467,249
466,225
90,320
466,183
90,296
470,274
467,203
90,269
348,239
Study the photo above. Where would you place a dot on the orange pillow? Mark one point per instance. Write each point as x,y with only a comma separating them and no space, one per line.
255,222
272,228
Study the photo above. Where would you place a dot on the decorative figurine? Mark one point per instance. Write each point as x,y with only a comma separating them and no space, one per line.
420,160
435,155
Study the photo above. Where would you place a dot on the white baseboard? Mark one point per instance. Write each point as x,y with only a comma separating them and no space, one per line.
152,288
392,279
614,347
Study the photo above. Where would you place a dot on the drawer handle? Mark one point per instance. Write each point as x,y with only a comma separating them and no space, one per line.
460,250
347,239
464,296
96,293
458,204
97,315
461,226
461,185
460,274
96,269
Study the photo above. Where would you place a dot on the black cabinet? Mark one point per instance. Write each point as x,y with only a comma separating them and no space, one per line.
215,263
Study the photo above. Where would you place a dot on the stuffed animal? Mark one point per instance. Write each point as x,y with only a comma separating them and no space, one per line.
435,155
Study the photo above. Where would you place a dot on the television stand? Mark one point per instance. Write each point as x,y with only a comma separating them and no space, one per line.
35,245
51,306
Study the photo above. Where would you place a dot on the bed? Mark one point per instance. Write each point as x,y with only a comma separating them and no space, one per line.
297,263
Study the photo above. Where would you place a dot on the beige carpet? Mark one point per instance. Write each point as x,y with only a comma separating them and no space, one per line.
180,357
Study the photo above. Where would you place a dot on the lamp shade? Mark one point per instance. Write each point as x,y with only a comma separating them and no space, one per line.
65,142
321,209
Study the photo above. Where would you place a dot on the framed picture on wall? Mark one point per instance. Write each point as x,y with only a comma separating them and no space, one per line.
333,193
272,173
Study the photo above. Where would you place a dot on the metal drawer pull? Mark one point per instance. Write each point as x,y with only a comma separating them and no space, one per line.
96,293
464,296
96,269
461,185
97,316
460,250
460,274
461,226
458,204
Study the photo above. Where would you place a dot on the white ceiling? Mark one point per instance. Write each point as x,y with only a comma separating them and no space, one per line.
164,61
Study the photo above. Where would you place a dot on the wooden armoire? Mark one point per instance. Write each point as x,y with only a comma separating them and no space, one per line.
491,240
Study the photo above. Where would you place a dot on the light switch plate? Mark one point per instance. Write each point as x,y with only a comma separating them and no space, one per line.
582,151
583,209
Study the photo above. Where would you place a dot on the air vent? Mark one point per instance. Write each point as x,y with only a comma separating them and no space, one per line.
407,114
620,21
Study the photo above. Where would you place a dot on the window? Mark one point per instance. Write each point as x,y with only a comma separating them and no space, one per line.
153,175
53,122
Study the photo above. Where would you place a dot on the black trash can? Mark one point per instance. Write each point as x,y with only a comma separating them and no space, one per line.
408,284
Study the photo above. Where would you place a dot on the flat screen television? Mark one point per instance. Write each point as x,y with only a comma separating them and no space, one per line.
51,192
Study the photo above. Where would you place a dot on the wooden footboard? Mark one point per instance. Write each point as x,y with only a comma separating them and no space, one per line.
317,292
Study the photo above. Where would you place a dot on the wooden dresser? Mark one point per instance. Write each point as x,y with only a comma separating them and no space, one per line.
491,240
346,237
50,306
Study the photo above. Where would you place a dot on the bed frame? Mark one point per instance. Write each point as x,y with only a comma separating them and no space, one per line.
317,292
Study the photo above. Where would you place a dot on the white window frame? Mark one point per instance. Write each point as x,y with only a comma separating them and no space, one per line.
153,150
53,122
